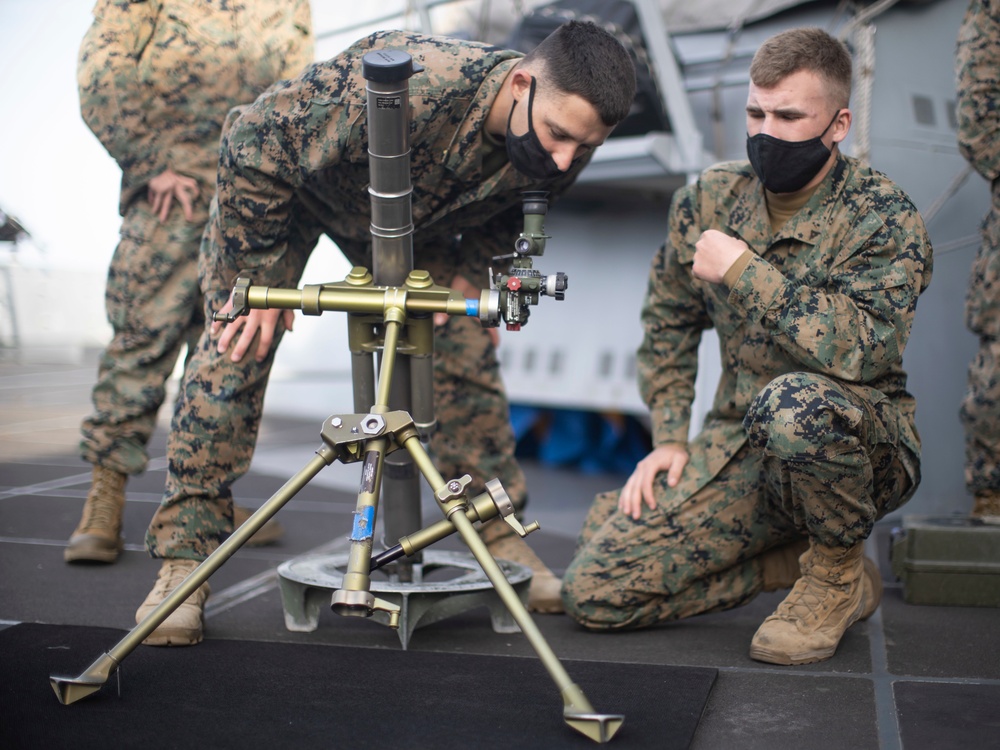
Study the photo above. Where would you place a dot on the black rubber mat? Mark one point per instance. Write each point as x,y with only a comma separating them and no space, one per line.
255,694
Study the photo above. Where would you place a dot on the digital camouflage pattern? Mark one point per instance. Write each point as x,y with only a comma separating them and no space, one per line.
157,77
294,165
156,80
154,307
978,69
300,155
811,431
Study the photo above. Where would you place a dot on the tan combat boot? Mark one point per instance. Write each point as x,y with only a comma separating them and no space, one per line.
986,506
268,533
779,566
183,626
838,587
543,591
98,536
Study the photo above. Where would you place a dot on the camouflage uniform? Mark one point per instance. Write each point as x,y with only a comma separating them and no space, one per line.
978,63
295,166
811,431
156,80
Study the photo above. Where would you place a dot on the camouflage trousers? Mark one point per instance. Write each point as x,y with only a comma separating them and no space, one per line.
980,410
154,306
218,414
821,460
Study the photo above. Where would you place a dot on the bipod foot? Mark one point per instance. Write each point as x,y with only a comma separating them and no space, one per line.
598,727
579,714
71,689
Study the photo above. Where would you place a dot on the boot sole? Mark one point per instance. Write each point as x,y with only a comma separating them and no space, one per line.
759,653
91,555
808,657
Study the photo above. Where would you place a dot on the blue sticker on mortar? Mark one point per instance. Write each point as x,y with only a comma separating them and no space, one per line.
364,522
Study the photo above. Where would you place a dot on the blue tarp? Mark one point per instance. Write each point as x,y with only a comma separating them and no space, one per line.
592,442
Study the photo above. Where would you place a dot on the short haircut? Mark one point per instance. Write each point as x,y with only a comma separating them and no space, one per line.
583,59
807,48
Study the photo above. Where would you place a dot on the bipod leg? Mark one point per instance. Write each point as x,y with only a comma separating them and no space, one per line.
481,508
71,689
577,711
354,597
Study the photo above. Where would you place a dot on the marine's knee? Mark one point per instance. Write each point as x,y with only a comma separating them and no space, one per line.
801,416
601,599
589,609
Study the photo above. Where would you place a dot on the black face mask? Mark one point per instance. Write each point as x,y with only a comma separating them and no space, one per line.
526,153
787,166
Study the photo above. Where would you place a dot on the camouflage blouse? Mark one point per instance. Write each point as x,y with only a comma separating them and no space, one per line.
833,292
298,157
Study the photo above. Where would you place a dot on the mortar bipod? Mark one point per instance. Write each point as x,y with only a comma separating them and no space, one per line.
397,292
372,441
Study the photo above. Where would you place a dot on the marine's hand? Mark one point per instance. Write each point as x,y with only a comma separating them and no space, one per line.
168,185
671,458
246,326
715,252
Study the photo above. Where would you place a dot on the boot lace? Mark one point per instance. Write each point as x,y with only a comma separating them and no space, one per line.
809,601
172,573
